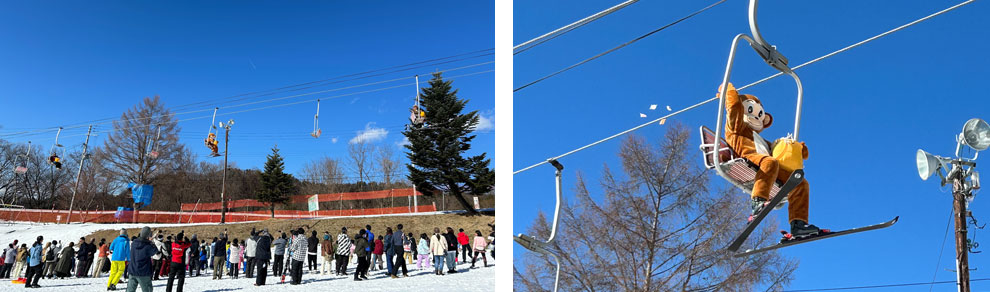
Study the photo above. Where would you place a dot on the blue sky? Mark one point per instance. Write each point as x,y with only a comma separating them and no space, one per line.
866,112
75,62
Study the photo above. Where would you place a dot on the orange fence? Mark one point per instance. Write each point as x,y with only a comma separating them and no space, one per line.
60,216
302,199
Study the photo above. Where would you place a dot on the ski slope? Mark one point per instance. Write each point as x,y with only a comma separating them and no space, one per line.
478,279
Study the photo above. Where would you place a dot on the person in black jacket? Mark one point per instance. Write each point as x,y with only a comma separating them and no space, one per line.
140,265
194,256
220,256
313,243
262,255
82,265
451,250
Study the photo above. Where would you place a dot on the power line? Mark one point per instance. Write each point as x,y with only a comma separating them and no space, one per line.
941,248
36,132
881,286
276,90
749,85
282,105
619,47
567,28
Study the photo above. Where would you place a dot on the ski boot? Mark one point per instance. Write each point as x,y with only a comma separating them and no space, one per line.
756,204
801,229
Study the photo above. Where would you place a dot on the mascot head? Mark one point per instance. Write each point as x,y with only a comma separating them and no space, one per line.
754,115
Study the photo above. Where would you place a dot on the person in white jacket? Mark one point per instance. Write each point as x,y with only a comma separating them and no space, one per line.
250,245
235,258
156,260
438,248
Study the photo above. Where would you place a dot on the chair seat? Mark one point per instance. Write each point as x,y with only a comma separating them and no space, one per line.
738,171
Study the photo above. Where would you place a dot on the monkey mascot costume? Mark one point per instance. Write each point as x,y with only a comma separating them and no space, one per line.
746,119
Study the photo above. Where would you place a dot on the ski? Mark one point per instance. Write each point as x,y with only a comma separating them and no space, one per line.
788,240
796,177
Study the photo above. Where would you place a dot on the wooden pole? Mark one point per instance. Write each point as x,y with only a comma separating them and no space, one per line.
78,172
959,195
223,185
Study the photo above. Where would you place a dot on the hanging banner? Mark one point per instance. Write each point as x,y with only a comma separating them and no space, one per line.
123,212
141,193
314,203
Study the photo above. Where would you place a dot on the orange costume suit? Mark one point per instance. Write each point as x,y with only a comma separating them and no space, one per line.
743,120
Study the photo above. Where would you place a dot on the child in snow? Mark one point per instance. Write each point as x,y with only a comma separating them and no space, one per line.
423,248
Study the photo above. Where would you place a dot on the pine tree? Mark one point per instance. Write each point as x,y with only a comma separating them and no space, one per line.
436,147
276,185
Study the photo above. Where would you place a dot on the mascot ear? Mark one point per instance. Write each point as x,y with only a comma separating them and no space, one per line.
767,121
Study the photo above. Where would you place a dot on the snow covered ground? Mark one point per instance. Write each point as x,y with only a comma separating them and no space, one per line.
478,279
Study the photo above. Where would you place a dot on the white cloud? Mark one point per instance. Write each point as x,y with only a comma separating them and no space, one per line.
369,134
485,124
404,142
333,140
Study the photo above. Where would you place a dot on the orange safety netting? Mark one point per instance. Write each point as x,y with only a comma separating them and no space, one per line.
302,199
60,216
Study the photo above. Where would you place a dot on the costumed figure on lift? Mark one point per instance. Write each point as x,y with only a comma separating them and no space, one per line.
776,161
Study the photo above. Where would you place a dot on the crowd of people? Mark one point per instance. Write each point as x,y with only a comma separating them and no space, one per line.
149,257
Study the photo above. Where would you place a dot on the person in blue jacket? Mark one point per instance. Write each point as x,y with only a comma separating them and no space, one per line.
140,267
34,264
120,250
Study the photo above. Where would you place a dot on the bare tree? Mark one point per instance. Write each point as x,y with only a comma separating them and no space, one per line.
388,164
658,227
125,152
42,185
360,156
324,175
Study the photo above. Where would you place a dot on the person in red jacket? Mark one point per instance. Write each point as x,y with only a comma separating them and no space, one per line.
376,253
463,240
177,267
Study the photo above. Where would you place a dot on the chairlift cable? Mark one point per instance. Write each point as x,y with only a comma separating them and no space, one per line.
752,84
86,123
620,46
35,132
305,101
296,102
567,28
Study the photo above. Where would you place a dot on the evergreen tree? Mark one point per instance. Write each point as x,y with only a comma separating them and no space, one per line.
276,185
436,147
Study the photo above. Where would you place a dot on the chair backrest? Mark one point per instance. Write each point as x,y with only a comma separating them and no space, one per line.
707,147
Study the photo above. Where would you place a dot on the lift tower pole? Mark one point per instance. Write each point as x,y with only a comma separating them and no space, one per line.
78,173
223,184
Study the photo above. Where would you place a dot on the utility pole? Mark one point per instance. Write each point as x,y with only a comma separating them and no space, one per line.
964,178
415,203
959,194
223,184
75,188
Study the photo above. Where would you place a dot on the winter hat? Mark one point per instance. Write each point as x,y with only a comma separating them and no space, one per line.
123,232
145,233
326,237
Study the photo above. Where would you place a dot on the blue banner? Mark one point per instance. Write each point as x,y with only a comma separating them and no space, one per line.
123,212
141,193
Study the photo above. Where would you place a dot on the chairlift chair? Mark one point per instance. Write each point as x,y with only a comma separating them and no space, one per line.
316,122
153,147
211,136
417,116
21,168
544,247
54,159
734,169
